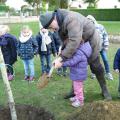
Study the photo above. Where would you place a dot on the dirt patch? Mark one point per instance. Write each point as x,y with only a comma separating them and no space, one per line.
26,112
98,111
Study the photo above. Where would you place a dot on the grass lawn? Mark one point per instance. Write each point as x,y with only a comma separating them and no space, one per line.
51,97
112,27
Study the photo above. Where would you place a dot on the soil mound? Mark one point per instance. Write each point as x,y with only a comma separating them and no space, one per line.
26,112
100,110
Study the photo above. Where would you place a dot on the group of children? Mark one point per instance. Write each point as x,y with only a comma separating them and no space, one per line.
44,44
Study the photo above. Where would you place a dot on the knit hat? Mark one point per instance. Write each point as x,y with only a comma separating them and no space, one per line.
46,19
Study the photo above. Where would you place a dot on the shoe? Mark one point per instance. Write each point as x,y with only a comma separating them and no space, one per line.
109,76
72,99
69,95
59,73
77,104
26,78
93,76
10,77
106,94
64,74
31,78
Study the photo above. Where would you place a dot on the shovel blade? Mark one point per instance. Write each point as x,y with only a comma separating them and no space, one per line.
43,81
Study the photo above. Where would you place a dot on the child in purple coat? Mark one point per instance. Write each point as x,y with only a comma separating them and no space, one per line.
78,72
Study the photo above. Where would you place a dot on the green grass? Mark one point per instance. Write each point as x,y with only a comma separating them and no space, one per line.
15,28
51,97
112,27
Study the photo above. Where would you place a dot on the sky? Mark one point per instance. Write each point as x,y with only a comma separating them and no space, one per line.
108,3
102,3
16,3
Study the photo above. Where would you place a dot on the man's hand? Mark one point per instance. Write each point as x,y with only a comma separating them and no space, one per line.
57,62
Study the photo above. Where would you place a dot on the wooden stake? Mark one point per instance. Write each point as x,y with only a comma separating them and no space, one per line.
7,87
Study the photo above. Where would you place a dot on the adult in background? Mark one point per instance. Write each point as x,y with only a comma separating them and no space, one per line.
27,47
74,27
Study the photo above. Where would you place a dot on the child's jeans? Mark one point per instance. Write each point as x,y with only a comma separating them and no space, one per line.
45,63
103,54
78,90
29,67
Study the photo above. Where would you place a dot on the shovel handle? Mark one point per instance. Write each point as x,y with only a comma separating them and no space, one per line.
51,70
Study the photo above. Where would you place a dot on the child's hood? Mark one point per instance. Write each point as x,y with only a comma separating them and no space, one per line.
86,49
24,39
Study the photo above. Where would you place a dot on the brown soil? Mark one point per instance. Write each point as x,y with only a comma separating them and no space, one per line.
26,112
100,110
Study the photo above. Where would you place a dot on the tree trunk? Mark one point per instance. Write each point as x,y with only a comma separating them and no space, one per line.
47,5
7,87
64,4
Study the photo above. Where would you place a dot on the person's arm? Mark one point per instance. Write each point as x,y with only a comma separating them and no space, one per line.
54,51
35,45
57,40
116,60
18,48
75,30
77,57
105,39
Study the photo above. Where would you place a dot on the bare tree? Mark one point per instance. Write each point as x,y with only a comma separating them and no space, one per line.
3,1
92,3
34,3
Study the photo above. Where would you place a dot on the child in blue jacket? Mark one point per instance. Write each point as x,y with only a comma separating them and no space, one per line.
27,47
116,67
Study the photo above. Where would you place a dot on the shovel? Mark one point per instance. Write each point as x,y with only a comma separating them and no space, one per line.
44,79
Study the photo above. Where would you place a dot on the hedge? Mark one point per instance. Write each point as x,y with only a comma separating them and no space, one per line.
4,8
101,14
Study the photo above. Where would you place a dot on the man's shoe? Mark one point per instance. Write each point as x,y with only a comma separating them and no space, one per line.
106,96
69,95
